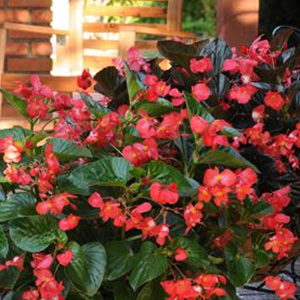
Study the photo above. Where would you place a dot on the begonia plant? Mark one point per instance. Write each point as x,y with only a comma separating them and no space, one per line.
180,183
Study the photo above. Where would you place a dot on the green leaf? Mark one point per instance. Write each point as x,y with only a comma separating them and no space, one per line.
198,109
86,269
18,133
197,256
67,150
262,208
152,290
157,108
148,265
167,174
261,258
16,206
123,292
109,171
15,101
228,157
74,294
119,259
35,234
94,107
9,277
240,269
3,244
134,85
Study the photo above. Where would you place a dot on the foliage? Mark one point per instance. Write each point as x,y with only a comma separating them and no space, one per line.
184,186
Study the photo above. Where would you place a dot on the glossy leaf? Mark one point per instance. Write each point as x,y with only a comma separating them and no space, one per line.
119,259
94,107
68,150
152,290
87,268
159,171
148,265
228,157
15,101
134,85
158,108
122,291
34,234
197,256
18,133
110,171
262,209
240,269
16,206
3,244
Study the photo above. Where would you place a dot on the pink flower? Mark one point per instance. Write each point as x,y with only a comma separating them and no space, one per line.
69,223
201,92
201,66
65,258
181,254
164,194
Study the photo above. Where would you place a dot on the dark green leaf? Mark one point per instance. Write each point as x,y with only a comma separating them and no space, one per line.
94,107
8,278
167,174
197,256
123,292
240,269
261,258
152,290
119,259
134,85
68,150
18,133
110,171
3,244
87,268
35,234
148,265
228,157
262,209
17,205
15,101
74,294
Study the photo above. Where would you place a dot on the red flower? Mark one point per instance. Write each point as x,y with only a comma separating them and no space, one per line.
213,177
204,194
284,290
156,90
41,261
31,295
145,126
178,98
242,94
201,92
274,100
201,66
37,108
69,223
170,126
181,254
51,159
11,149
84,81
95,200
192,216
17,262
65,258
281,243
164,194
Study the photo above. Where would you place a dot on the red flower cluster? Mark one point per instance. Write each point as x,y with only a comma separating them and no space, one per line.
209,131
47,287
218,185
284,290
204,287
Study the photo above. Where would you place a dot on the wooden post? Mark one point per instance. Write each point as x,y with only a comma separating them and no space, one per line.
76,37
127,37
174,17
3,38
237,21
